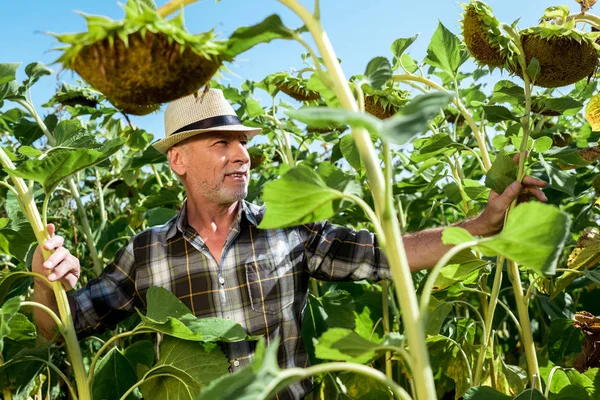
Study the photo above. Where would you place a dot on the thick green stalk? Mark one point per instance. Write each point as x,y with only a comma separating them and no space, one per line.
386,326
87,232
489,317
33,216
394,249
513,269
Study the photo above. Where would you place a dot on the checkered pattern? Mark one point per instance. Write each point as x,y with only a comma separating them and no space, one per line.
261,281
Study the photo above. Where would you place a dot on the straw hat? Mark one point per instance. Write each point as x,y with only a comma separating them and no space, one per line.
198,113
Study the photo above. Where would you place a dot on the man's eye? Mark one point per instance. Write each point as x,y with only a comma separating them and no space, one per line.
244,143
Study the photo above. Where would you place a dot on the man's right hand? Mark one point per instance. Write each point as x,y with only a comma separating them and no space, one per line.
61,265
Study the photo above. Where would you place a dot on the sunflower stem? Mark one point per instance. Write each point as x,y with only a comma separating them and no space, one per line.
173,6
394,248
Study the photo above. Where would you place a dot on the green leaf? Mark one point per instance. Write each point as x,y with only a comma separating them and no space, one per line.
445,51
8,280
299,197
259,380
7,312
113,376
570,384
140,353
508,92
431,147
534,69
560,180
8,72
14,243
63,162
542,144
378,72
21,329
414,117
161,305
34,72
484,393
534,236
502,173
149,156
530,394
564,340
408,63
347,345
350,152
437,311
70,133
455,235
29,151
164,198
245,38
316,83
159,216
168,315
27,131
188,365
400,45
314,324
324,117
462,268
496,114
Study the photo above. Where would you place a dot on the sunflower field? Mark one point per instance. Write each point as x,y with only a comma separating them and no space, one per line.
409,144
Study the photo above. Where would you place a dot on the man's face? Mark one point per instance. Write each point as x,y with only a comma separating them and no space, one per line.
215,166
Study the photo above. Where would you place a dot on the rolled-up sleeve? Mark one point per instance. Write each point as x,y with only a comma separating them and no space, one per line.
336,253
107,299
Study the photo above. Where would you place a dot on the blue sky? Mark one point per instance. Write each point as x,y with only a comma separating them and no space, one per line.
358,29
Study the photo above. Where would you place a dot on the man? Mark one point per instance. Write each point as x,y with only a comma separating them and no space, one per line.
213,257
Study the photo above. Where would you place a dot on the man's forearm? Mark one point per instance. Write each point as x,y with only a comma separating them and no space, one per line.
43,294
425,248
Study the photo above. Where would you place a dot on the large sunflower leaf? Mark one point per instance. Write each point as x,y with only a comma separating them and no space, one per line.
299,197
188,366
245,38
63,162
113,376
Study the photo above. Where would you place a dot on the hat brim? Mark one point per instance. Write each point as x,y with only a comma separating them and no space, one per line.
165,144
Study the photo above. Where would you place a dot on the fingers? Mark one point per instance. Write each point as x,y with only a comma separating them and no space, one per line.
54,242
69,266
502,202
51,229
535,192
531,181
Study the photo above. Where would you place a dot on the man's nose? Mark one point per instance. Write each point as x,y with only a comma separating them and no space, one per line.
240,153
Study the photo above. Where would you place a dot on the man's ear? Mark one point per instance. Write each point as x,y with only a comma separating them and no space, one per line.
177,160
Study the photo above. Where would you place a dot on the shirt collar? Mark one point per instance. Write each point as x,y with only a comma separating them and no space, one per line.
249,212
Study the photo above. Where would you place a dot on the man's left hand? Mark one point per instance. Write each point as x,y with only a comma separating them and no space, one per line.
492,218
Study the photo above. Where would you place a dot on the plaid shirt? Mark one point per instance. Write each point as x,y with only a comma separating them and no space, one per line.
261,281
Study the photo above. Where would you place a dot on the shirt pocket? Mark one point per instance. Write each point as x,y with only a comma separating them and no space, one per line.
264,287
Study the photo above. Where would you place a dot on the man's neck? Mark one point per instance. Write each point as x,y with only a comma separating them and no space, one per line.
210,219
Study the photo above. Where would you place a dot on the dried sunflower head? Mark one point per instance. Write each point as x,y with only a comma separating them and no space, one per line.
143,59
483,36
384,103
565,54
295,87
70,95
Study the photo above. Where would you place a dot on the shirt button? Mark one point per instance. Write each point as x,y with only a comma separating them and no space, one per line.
236,363
228,317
